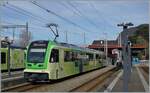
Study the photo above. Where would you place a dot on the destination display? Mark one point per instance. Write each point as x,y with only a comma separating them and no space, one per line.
39,44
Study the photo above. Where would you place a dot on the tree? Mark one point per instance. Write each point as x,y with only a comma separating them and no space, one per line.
25,38
141,36
143,31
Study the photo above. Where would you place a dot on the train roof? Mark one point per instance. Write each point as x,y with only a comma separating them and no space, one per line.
72,46
77,47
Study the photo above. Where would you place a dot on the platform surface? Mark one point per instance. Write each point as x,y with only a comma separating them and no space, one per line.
135,83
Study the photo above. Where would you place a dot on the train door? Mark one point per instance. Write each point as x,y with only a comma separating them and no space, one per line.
61,63
55,63
81,60
76,61
81,66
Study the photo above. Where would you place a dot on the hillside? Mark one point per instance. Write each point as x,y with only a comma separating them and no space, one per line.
141,36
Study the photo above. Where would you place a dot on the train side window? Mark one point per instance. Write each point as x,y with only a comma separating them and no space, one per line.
54,56
3,57
90,56
67,56
97,56
74,56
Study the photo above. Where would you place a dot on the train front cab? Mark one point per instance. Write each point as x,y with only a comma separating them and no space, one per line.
35,65
43,62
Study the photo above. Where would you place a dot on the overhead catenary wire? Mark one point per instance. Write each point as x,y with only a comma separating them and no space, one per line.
8,32
82,15
24,13
100,14
29,13
43,29
67,7
19,11
74,11
59,16
12,17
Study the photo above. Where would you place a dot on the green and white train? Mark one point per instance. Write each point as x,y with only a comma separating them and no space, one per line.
48,60
17,58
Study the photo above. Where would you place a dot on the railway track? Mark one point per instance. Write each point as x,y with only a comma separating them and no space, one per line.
13,74
20,88
91,84
65,85
146,69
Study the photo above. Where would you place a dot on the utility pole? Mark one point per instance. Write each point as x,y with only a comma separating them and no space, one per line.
106,47
27,31
106,50
13,34
120,39
66,36
126,57
84,39
102,43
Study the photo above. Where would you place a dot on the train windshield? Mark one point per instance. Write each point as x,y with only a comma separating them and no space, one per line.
36,55
37,51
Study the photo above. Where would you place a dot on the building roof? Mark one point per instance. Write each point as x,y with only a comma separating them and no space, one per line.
101,42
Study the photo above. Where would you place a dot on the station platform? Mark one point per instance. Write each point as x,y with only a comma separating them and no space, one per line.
137,82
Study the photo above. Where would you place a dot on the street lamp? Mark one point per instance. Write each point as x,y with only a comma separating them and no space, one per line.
101,42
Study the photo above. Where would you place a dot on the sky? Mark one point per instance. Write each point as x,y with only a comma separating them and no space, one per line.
97,19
